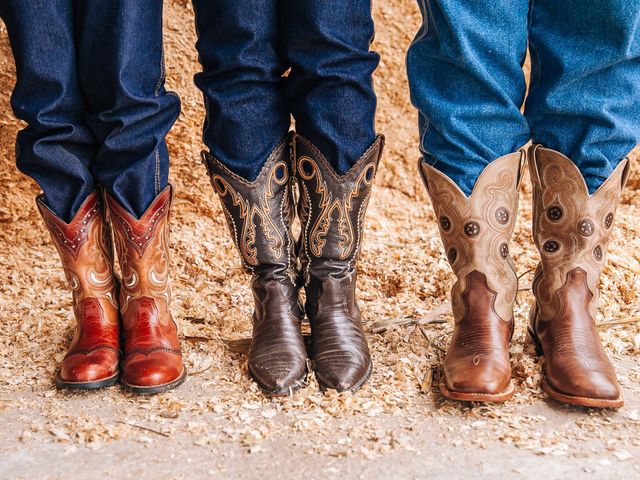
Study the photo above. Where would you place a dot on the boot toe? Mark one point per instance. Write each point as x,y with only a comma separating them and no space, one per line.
152,370
343,374
591,384
92,367
484,379
279,376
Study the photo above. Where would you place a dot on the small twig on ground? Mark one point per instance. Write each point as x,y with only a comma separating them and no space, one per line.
146,429
432,317
197,320
626,321
200,372
426,337
388,244
190,338
240,345
618,262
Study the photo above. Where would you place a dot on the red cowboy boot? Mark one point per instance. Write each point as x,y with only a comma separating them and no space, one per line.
152,355
86,252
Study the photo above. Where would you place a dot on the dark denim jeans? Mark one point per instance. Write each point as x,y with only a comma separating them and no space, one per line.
245,48
90,85
467,82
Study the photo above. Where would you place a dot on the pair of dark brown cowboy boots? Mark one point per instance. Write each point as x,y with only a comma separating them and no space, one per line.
129,316
331,210
571,229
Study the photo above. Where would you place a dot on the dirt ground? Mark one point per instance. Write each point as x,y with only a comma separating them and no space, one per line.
218,424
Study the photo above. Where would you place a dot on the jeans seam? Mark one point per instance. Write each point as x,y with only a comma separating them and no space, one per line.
206,125
426,15
427,124
156,93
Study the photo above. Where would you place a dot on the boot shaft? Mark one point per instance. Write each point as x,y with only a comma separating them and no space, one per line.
85,249
571,228
143,252
476,230
260,214
332,208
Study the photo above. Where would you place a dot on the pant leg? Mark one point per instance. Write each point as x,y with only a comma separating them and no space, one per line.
466,80
585,86
56,147
121,70
330,88
241,81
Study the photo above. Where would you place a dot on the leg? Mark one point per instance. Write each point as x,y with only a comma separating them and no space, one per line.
336,156
330,88
121,71
467,83
583,108
571,229
56,148
241,81
585,82
246,129
130,114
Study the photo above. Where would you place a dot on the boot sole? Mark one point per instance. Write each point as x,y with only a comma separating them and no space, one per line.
477,397
93,385
569,399
357,386
283,392
154,389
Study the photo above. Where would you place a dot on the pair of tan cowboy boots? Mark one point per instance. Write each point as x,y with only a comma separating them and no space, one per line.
331,209
129,316
571,230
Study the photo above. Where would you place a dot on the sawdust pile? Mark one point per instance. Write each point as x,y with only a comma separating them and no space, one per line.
405,281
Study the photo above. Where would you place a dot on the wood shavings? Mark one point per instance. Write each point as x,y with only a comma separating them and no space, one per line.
404,286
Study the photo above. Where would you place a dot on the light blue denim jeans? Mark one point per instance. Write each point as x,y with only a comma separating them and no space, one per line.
466,80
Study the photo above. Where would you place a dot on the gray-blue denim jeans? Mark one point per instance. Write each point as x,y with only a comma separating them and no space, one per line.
466,80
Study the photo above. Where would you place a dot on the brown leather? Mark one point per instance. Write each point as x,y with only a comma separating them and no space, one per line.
476,231
571,230
259,215
86,252
332,210
152,355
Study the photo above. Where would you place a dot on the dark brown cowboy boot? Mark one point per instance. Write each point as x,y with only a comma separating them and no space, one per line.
571,230
476,231
85,248
332,210
152,355
259,215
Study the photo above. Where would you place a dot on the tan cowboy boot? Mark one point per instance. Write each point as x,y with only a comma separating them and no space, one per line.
476,231
84,245
571,230
260,214
152,355
332,210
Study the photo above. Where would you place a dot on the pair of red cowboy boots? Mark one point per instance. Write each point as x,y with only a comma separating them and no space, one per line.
129,317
